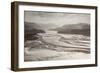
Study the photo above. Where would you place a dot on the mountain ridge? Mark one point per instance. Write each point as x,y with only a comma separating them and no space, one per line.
80,28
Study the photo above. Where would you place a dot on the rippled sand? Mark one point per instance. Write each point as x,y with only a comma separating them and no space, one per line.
54,46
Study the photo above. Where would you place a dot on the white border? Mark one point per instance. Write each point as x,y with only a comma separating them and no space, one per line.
33,64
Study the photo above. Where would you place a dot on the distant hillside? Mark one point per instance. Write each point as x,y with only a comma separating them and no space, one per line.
81,28
31,30
40,25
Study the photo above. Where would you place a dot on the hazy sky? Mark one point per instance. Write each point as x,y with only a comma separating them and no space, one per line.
57,18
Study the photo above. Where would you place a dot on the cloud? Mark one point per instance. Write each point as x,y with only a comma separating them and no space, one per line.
58,18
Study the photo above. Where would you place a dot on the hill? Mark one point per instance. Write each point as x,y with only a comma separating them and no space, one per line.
81,28
31,30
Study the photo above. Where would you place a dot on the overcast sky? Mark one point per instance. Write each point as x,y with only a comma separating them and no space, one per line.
57,18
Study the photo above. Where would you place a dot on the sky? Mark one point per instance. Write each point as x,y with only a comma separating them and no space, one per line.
57,18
